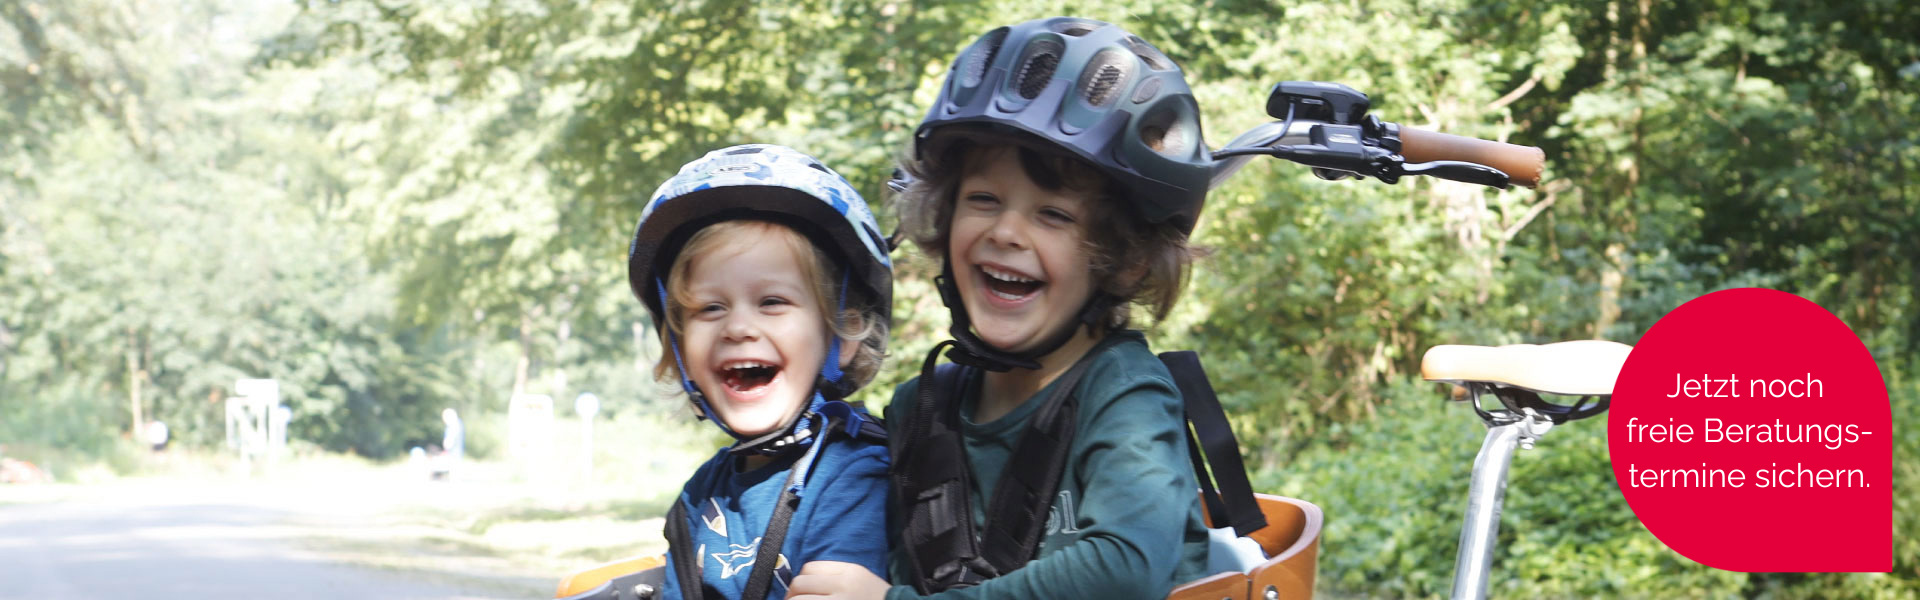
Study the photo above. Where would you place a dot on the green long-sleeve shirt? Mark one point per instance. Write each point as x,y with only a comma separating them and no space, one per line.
1126,522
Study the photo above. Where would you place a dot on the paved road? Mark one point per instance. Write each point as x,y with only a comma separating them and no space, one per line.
203,542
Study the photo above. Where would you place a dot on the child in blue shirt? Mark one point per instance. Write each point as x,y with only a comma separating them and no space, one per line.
771,289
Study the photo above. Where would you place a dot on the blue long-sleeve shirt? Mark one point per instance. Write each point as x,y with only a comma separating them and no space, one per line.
842,516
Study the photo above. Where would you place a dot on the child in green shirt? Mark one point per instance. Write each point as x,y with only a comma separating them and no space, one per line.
1057,179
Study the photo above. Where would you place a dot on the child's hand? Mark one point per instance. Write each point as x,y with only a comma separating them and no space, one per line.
822,579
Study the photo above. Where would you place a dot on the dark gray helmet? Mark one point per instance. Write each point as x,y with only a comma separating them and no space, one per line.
1096,91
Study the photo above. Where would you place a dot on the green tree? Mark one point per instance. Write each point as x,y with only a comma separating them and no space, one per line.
168,231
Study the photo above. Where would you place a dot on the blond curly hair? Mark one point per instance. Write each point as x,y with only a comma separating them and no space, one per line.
861,322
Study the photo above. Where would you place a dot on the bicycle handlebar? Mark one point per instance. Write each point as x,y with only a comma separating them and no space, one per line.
1522,164
1326,126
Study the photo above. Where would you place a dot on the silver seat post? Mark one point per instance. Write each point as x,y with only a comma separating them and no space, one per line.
1484,498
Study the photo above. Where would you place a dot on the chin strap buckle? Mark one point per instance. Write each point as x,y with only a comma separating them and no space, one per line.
780,441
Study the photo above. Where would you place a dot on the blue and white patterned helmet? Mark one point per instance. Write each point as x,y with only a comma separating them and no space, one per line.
761,182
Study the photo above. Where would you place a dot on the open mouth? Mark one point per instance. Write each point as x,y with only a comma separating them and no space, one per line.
748,375
1009,285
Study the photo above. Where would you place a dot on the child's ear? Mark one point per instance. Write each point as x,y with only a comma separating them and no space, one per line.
847,348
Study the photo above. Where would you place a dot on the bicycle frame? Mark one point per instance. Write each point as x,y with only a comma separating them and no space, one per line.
1487,493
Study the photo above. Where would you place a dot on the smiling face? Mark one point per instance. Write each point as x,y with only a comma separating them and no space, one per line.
753,334
1019,254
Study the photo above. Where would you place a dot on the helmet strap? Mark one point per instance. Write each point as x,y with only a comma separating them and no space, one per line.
830,374
680,364
797,430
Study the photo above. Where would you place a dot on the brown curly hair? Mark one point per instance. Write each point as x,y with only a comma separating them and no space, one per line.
1133,260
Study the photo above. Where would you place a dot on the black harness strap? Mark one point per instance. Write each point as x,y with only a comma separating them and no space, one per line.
1233,504
1017,514
933,481
767,559
680,547
1216,510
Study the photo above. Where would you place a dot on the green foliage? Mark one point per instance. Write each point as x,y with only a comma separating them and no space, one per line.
175,237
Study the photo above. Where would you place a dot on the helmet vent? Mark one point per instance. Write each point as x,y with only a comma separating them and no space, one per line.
1166,133
1148,53
1075,28
1043,58
973,65
1103,83
1100,82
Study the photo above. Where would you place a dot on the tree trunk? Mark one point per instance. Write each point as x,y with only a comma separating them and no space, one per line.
134,375
1610,281
526,355
1621,215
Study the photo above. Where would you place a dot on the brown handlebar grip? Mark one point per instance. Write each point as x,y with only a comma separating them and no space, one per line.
1522,164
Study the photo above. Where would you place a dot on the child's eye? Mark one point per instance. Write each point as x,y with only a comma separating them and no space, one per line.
773,301
710,308
1057,216
982,200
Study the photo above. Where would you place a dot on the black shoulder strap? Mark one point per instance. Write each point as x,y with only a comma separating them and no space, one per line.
1233,504
933,486
686,568
767,559
1017,514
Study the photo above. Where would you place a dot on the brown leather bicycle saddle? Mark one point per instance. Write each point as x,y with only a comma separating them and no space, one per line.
1579,368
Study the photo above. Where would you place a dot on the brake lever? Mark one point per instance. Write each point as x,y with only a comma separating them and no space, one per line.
1465,172
1333,164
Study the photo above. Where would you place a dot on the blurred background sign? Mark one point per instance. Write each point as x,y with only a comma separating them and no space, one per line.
529,428
256,422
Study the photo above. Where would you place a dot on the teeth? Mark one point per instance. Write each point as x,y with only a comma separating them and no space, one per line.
1004,295
746,364
1003,275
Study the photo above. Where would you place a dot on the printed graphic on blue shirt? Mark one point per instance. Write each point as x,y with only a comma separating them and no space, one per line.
710,515
733,557
840,516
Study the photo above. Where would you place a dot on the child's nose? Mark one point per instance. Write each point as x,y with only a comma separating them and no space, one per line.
740,328
1007,231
